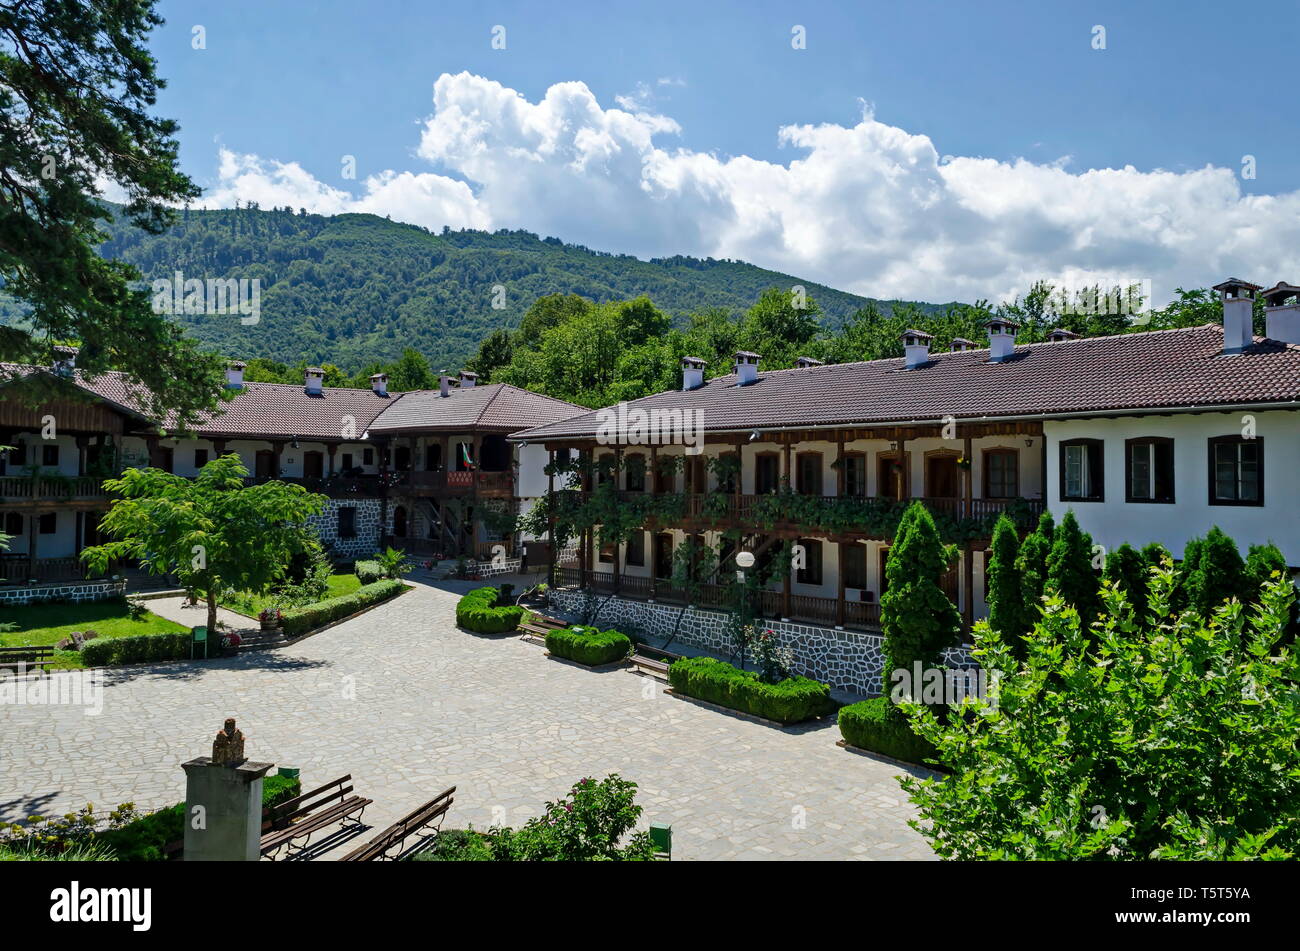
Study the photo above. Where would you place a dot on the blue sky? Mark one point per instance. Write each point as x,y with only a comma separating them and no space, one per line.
1178,87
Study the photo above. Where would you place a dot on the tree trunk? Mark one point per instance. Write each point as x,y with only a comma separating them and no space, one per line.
212,615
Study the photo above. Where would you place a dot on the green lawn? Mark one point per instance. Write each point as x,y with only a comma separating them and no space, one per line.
251,605
44,625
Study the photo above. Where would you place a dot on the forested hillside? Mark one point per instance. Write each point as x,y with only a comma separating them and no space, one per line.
355,289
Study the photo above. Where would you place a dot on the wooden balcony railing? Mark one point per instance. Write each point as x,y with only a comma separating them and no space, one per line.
457,482
52,488
18,569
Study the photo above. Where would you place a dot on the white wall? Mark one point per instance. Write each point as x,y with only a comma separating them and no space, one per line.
1114,521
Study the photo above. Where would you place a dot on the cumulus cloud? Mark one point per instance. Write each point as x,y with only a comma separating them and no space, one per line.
868,207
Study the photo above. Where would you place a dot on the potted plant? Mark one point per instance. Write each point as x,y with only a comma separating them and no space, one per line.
271,618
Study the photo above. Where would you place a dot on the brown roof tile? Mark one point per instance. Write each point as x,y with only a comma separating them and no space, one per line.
1153,370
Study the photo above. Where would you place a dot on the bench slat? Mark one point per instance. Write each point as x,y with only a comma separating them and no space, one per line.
399,830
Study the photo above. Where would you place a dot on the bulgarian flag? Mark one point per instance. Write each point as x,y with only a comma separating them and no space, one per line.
464,456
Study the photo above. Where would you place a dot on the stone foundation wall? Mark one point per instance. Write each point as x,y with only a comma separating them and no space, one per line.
64,591
366,542
847,660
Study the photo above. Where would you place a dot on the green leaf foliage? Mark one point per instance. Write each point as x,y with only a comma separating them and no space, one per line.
300,620
879,726
792,700
1165,736
589,646
479,612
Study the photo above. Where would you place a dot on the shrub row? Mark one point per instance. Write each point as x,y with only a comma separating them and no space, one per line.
144,839
301,620
136,649
479,612
589,646
368,572
790,701
879,726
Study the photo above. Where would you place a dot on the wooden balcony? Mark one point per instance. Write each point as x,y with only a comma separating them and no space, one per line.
19,569
40,489
455,483
848,517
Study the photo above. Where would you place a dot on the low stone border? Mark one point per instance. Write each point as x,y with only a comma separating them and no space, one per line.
599,668
743,715
872,754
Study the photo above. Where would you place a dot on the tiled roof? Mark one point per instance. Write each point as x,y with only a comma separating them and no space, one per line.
284,410
1158,369
494,407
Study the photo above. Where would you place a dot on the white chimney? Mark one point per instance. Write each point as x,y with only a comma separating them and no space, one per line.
315,379
379,383
1002,339
916,348
235,375
468,379
444,385
960,344
1060,335
65,360
804,363
746,367
692,372
1282,312
1238,313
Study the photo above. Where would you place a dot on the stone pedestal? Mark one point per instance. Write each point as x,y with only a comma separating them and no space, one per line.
223,802
229,801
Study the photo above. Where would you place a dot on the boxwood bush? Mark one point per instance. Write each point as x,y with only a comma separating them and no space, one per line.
479,612
589,646
879,726
368,572
301,620
791,700
136,649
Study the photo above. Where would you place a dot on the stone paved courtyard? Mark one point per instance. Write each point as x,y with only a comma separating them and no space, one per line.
409,705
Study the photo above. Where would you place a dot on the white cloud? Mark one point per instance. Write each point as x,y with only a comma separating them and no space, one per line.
867,207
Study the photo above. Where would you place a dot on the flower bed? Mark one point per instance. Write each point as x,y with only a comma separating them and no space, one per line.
298,621
479,612
587,645
878,726
789,701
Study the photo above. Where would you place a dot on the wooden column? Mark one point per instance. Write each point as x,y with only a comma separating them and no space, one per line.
155,456
839,472
550,521
618,467
331,449
789,473
904,471
739,483
82,442
970,475
839,603
277,451
786,583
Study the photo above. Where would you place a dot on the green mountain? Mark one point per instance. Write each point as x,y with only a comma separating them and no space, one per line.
355,289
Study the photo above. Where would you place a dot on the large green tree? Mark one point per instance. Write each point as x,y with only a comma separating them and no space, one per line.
77,88
1069,568
213,532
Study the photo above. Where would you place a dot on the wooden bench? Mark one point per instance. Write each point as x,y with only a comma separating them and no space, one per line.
395,835
26,658
309,813
655,665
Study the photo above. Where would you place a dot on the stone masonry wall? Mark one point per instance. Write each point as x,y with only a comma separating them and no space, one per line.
65,591
366,542
847,660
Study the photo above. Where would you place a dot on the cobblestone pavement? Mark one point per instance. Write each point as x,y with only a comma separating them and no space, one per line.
409,705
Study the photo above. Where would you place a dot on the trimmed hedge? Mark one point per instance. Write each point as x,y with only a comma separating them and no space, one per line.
879,726
136,649
301,620
479,612
589,646
368,572
144,839
790,701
